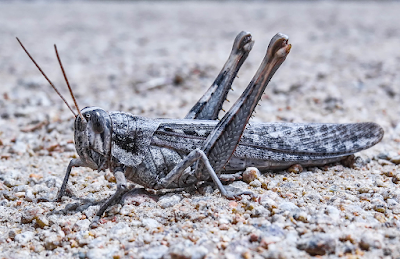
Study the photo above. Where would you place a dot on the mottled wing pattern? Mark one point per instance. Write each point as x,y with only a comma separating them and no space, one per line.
313,138
276,141
305,143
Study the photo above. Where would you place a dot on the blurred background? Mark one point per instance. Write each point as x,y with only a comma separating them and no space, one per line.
157,58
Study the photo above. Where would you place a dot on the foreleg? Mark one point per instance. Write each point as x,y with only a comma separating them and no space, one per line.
209,105
116,197
73,163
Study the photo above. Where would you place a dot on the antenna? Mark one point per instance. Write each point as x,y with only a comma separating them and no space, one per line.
48,80
69,87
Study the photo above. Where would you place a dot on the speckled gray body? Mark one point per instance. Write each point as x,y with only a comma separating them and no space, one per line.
263,145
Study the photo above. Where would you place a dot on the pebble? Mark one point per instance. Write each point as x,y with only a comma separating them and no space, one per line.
52,241
42,221
150,223
395,160
297,168
251,174
268,203
9,195
24,237
317,244
29,195
290,207
154,252
302,216
256,183
396,179
31,213
193,252
81,225
369,241
333,212
169,200
119,230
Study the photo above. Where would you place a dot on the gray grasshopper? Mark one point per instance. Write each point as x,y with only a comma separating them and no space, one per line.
176,153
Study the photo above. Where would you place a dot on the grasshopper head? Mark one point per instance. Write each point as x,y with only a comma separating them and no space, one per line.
93,137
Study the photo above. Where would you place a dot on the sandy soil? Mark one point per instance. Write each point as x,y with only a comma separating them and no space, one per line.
156,60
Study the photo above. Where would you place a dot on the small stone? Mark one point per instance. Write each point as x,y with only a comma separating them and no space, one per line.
396,209
9,196
363,189
224,227
388,173
38,248
233,204
290,207
42,221
36,176
384,162
12,234
91,211
180,251
127,210
318,244
256,183
110,177
73,243
268,203
380,183
302,216
254,237
380,217
238,219
119,230
260,211
52,241
246,254
81,225
272,185
169,200
29,195
391,202
348,237
31,213
396,179
24,237
266,241
369,240
19,194
150,223
19,148
154,252
380,208
395,160
383,155
251,174
297,168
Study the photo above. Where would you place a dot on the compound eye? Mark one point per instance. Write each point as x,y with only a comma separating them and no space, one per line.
98,124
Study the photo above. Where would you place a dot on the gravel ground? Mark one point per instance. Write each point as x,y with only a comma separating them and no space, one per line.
156,60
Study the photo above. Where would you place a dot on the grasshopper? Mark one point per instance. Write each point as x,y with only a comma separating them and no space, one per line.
176,153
